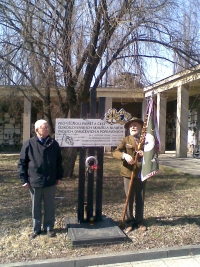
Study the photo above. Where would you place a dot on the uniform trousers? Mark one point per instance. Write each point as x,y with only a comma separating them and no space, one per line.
136,199
47,196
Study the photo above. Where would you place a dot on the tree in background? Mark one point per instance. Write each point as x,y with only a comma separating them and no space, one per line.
66,48
190,30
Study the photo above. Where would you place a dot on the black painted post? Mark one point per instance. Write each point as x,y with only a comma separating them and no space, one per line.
100,154
90,188
102,106
81,185
99,178
99,184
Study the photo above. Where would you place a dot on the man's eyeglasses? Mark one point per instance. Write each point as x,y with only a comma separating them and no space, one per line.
44,127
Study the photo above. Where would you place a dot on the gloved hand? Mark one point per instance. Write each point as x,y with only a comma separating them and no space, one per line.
128,158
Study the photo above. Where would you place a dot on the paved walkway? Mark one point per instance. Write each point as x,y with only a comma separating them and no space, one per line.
187,165
189,261
188,256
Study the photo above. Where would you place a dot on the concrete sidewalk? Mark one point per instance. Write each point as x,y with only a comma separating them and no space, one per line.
171,257
187,261
186,165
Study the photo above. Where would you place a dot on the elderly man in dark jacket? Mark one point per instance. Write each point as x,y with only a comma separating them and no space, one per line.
40,170
126,152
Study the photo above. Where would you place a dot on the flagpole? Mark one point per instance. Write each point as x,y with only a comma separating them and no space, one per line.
129,191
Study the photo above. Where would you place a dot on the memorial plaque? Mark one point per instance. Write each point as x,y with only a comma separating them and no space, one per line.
87,133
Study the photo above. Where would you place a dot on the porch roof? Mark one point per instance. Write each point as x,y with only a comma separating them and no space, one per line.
168,86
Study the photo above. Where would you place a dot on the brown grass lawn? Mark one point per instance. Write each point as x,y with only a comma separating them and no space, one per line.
172,214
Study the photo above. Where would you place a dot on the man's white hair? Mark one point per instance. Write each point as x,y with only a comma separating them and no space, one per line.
39,123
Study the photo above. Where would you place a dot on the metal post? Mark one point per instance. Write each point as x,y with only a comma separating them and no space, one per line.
90,188
81,185
100,154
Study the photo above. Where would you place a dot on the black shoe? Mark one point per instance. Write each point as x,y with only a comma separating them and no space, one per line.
130,225
34,235
51,233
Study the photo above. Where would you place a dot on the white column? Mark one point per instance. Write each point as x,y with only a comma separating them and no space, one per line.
182,121
108,105
27,119
161,116
144,108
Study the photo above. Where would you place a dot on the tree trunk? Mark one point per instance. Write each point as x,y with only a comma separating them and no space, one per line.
69,155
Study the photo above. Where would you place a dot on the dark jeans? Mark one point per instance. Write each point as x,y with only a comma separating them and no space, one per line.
47,195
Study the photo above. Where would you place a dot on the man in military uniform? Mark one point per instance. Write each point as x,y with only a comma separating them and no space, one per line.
126,152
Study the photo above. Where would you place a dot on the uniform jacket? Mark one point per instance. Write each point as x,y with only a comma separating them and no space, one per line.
40,165
129,146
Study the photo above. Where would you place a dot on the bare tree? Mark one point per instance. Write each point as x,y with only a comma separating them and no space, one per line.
190,35
66,47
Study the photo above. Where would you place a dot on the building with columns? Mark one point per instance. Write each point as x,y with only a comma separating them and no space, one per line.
178,107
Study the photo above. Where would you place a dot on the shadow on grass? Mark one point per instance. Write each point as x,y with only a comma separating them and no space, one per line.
172,181
168,221
173,220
